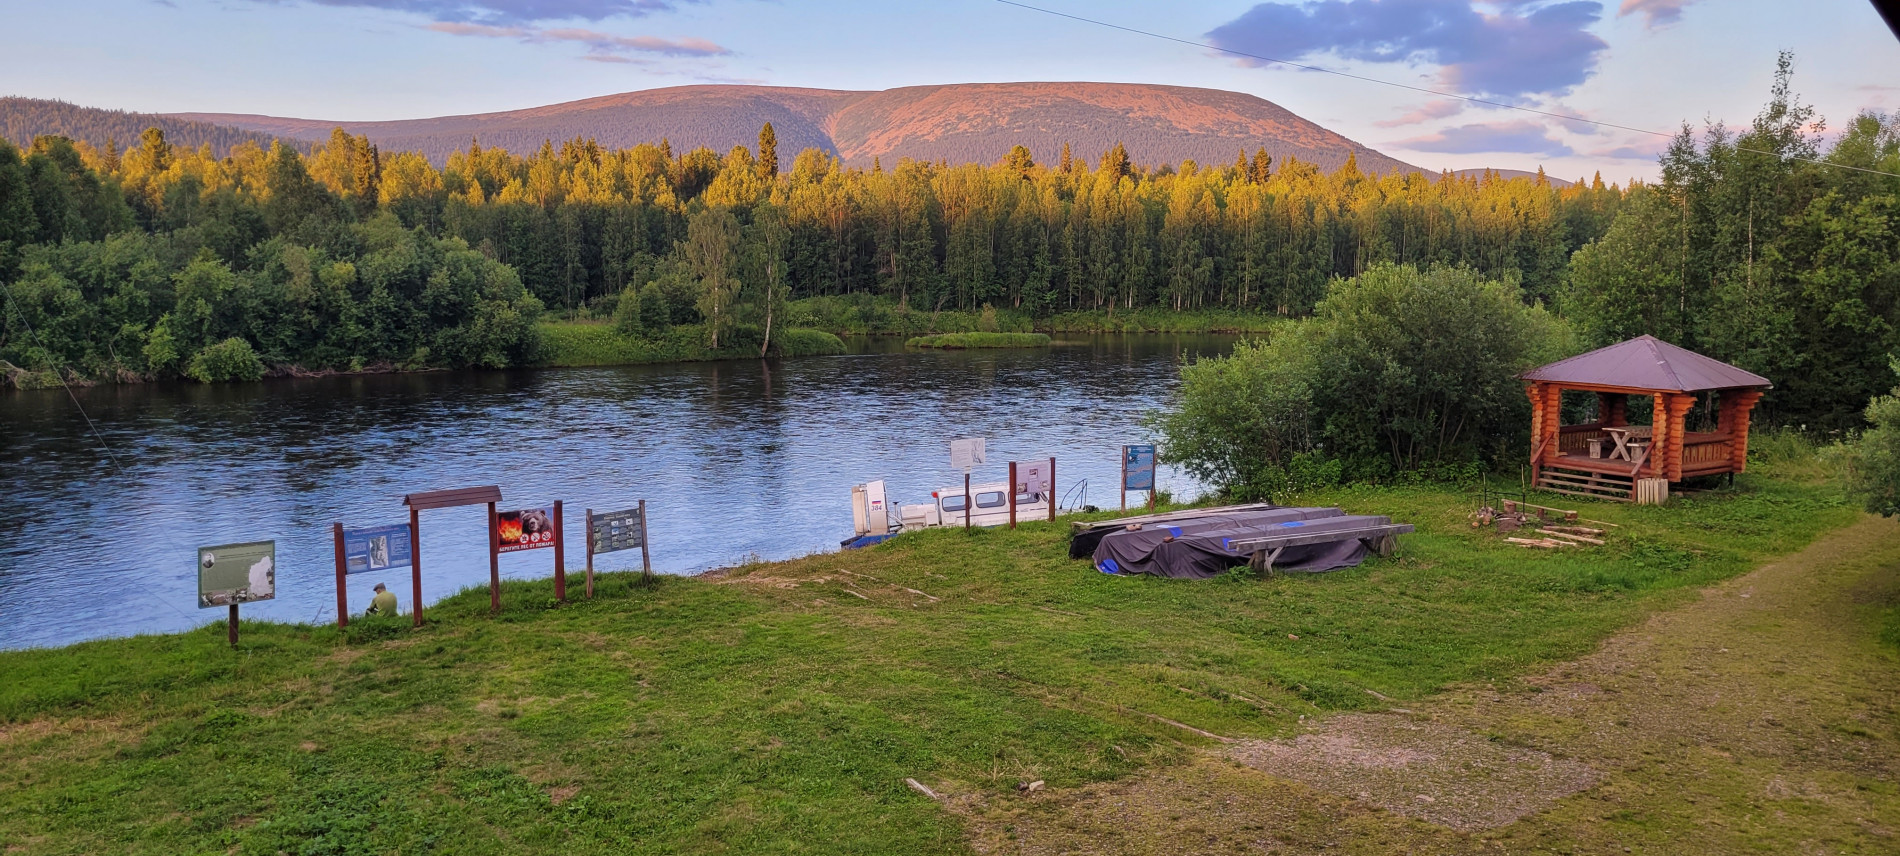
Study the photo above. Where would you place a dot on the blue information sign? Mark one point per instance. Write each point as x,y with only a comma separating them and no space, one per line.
377,548
1138,467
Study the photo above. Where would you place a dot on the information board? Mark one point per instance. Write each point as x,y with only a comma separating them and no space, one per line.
528,529
619,530
967,453
231,574
376,548
1138,467
1032,477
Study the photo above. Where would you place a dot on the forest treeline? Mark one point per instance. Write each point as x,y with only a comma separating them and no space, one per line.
1747,249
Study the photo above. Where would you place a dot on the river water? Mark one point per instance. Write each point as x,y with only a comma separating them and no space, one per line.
734,459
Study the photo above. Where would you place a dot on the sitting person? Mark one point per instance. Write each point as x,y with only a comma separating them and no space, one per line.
384,603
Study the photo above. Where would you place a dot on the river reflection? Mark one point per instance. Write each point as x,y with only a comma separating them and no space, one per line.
734,459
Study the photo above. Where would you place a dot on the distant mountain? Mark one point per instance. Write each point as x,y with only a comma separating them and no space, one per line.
959,123
22,119
1509,174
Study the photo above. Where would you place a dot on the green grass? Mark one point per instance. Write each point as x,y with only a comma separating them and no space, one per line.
781,710
1160,320
584,343
954,341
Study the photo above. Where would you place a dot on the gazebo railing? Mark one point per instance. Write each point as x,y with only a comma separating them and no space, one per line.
1575,439
1706,451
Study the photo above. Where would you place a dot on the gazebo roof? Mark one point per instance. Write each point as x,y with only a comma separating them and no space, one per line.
1649,363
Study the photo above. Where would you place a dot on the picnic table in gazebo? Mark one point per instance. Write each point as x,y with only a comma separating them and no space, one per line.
1608,457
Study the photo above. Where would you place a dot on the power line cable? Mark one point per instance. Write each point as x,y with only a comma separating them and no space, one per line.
1426,90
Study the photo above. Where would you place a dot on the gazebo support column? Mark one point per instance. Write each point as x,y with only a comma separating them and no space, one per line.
1679,406
1738,404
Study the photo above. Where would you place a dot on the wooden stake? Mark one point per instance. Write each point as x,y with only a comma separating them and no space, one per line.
233,633
1052,490
560,556
1012,494
494,560
415,565
589,535
646,559
967,509
342,598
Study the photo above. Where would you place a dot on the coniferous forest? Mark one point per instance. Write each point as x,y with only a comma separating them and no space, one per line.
1757,247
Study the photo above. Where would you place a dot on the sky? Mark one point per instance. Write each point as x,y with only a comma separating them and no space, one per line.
1642,64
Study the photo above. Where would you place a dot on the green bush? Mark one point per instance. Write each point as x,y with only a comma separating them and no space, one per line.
1872,462
799,342
226,361
1402,371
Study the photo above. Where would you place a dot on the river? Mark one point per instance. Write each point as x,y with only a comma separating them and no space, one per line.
735,460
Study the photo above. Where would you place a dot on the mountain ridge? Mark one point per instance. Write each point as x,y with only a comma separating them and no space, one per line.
958,122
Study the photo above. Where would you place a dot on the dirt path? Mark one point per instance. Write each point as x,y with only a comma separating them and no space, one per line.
1762,718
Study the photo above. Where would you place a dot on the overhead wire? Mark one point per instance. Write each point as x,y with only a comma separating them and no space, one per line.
1423,89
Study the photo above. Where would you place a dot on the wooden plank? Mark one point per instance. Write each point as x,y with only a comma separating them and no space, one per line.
1082,526
1569,537
453,497
1584,495
1254,544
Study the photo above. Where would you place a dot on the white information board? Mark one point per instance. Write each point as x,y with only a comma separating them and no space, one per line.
966,453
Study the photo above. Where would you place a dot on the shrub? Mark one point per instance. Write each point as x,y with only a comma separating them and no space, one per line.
799,342
1401,371
1872,463
229,360
980,340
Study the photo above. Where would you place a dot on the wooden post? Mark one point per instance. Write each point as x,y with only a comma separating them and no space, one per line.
1052,489
646,534
415,565
560,556
233,630
1658,435
967,508
1738,429
1536,393
494,560
342,598
1679,406
588,533
1121,487
1012,494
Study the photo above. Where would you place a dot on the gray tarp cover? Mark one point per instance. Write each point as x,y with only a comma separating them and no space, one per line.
1197,548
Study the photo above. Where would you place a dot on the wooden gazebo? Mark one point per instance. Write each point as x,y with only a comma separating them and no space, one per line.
1611,457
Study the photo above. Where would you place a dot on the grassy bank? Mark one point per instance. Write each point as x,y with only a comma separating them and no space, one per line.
583,343
960,341
864,315
780,709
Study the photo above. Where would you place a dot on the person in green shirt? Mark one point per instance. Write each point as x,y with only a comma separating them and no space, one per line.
384,603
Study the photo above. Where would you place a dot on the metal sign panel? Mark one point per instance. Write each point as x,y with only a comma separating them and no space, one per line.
1138,467
1032,477
619,530
967,453
376,548
528,529
230,574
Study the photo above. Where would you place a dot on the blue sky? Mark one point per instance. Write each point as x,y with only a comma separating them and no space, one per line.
1641,63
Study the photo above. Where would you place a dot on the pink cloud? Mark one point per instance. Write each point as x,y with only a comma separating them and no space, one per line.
1439,109
1656,13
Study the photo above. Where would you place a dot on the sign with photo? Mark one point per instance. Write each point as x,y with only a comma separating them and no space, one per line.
376,548
619,530
967,453
1032,477
237,573
1138,467
528,529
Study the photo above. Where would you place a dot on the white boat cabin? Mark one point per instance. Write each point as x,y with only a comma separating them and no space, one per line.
986,505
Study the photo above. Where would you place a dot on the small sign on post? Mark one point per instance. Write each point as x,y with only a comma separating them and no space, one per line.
230,574
966,454
613,531
1138,472
377,548
1031,479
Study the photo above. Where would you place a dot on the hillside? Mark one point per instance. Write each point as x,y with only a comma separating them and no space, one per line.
22,119
976,122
